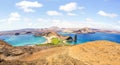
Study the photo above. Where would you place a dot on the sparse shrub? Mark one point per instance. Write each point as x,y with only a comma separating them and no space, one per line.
56,41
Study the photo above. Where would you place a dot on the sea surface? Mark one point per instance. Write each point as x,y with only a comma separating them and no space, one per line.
82,38
22,40
30,39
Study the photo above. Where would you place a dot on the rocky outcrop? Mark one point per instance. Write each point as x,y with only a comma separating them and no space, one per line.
4,44
16,52
84,30
38,34
8,52
91,53
47,34
51,34
17,33
28,32
67,38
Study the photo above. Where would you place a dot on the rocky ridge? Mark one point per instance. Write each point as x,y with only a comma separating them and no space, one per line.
91,53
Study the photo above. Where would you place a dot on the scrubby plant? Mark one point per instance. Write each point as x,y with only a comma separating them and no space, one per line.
56,41
47,44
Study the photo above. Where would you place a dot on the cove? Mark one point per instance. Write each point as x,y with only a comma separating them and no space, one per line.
23,40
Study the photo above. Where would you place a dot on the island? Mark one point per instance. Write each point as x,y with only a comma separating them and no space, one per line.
57,50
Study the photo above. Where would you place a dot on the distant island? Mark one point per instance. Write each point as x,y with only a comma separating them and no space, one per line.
56,29
60,46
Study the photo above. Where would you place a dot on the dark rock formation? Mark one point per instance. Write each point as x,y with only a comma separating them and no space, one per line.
75,38
17,33
1,60
28,32
67,38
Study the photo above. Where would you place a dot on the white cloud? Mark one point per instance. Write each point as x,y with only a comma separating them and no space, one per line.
111,15
69,7
30,24
27,6
119,22
26,19
2,20
71,14
53,13
40,19
62,23
89,20
43,23
81,24
56,20
14,16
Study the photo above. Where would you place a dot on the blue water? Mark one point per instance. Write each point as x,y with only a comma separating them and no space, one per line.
82,38
22,40
30,39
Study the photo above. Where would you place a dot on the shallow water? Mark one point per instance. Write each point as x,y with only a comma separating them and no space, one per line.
22,40
30,39
82,38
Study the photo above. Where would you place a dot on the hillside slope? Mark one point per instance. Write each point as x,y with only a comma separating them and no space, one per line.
91,53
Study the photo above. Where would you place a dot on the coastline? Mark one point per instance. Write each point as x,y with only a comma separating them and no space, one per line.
54,35
85,54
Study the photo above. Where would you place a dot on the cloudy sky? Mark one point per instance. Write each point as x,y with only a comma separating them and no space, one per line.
19,14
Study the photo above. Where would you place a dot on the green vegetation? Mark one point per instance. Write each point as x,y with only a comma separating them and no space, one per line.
56,41
47,44
51,44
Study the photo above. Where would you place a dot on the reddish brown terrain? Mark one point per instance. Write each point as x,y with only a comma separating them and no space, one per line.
91,53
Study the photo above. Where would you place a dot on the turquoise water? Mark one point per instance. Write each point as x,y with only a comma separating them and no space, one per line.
82,38
30,39
22,40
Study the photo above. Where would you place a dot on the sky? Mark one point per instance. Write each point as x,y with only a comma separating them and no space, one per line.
20,14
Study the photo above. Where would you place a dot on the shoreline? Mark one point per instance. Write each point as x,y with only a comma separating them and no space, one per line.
48,39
